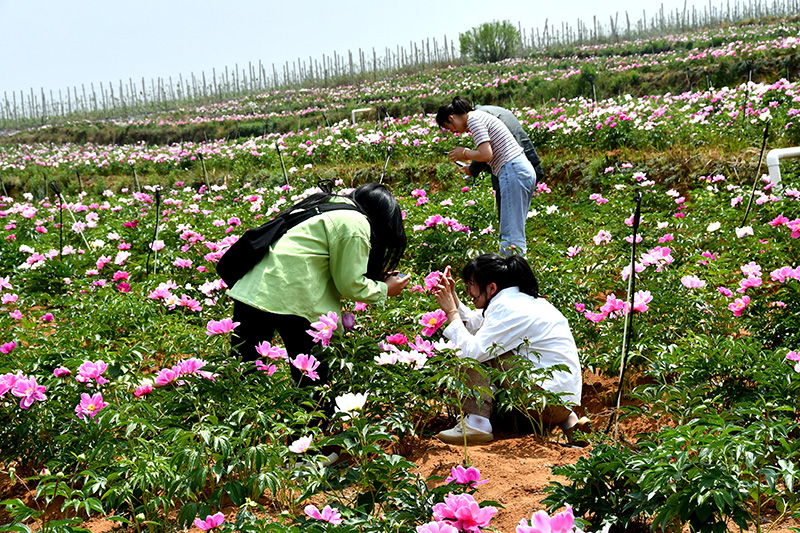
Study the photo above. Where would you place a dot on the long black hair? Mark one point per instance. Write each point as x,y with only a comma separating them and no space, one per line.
458,106
503,270
387,233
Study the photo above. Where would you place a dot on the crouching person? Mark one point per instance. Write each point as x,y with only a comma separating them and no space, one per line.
509,314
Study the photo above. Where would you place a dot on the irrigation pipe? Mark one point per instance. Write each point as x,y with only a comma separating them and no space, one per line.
155,236
626,335
71,214
758,173
388,155
283,166
57,191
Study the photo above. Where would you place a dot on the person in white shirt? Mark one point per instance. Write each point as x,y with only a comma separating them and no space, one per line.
513,320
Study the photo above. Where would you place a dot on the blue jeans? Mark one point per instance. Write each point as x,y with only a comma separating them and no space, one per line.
517,182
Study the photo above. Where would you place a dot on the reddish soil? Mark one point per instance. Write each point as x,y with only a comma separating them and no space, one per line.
518,468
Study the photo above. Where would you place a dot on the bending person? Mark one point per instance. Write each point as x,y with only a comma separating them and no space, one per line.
496,146
517,321
341,254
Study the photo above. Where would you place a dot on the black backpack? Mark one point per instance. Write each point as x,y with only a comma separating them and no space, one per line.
251,247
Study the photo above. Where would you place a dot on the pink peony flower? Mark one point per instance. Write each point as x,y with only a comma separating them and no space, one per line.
422,345
541,522
90,405
640,301
572,251
432,279
16,314
218,327
89,371
328,514
166,376
579,307
7,347
265,368
436,527
143,389
780,220
614,306
323,329
692,282
746,283
8,299
360,306
398,339
465,476
61,371
300,445
307,364
725,291
594,317
751,269
47,317
265,349
601,237
463,512
7,383
432,321
29,391
739,305
210,522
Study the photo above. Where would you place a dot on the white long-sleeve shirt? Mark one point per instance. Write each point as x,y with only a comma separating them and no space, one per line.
515,321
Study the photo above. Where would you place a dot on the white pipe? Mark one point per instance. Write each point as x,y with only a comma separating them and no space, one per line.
773,162
353,113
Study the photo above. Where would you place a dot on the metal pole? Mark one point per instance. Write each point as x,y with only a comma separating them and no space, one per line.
758,173
628,318
57,191
155,236
388,155
280,156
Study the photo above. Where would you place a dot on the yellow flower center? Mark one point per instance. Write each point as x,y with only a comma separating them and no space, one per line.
90,407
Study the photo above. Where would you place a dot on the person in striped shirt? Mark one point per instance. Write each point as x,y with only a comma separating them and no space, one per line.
496,146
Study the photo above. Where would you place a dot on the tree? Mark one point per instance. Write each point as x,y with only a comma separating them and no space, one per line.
490,42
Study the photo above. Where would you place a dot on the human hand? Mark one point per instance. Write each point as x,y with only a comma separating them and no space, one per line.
396,283
457,154
445,292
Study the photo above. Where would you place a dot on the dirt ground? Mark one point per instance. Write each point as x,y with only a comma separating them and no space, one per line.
518,468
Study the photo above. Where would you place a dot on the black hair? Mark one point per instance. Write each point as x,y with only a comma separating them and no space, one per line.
458,106
387,233
388,240
504,270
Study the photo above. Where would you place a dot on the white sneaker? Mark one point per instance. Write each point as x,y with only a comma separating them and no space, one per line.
457,433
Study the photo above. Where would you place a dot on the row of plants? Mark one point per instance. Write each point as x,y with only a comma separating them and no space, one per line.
731,117
724,57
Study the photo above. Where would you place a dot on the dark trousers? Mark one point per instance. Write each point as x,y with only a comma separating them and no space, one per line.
256,326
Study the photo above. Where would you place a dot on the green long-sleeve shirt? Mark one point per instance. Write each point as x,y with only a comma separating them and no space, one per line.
315,265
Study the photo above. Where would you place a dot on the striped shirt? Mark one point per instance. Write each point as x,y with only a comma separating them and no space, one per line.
484,127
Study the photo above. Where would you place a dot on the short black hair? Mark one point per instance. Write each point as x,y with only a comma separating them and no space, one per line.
504,270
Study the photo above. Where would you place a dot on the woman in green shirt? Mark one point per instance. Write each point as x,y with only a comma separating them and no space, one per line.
341,254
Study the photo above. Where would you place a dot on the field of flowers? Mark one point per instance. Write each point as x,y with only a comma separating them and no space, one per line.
118,397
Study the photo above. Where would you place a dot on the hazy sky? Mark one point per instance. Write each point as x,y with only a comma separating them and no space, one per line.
57,44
